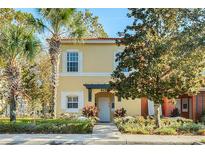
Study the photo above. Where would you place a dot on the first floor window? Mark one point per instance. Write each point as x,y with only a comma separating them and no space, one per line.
72,102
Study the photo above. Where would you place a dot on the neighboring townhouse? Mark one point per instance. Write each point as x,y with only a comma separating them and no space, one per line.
85,69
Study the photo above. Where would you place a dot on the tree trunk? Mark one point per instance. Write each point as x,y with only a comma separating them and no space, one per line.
54,51
157,115
12,109
13,75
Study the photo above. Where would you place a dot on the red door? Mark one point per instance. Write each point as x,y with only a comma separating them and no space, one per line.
185,102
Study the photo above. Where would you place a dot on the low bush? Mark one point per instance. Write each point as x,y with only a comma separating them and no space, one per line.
140,120
184,120
68,116
47,126
175,112
202,141
201,132
90,111
134,129
165,131
120,112
169,126
190,128
203,118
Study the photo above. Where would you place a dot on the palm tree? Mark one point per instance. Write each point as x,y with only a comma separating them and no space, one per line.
61,23
17,43
58,22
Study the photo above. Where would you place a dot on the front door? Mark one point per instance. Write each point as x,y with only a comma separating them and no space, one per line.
185,107
104,109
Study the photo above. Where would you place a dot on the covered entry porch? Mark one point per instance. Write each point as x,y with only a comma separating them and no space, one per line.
192,107
103,99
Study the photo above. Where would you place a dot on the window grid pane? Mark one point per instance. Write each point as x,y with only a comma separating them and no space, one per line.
72,102
72,62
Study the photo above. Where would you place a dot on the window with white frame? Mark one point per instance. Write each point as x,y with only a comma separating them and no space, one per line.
72,61
72,102
116,63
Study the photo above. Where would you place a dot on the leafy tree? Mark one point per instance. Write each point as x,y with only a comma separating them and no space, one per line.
37,83
17,43
93,27
164,53
61,23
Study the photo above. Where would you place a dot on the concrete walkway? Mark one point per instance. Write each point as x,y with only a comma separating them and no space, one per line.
106,130
102,134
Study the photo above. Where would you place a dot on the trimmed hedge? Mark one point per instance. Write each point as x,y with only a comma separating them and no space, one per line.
48,126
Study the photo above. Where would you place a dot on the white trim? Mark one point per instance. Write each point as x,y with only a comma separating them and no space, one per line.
89,41
108,74
64,101
202,89
64,60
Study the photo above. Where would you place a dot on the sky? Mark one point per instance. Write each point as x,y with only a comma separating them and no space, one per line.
114,20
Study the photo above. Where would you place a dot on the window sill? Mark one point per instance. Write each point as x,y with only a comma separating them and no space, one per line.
72,110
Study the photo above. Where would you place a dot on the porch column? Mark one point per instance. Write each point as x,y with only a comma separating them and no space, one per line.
165,107
89,95
144,107
194,108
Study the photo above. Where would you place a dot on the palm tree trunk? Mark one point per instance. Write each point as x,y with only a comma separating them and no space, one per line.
13,75
12,108
54,50
157,115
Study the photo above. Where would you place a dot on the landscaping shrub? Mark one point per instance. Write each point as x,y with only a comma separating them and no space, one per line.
165,131
68,116
170,122
184,120
90,111
134,128
203,118
175,112
140,120
202,141
201,132
190,128
120,112
169,126
47,126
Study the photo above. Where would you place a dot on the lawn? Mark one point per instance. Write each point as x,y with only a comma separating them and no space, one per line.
170,126
46,126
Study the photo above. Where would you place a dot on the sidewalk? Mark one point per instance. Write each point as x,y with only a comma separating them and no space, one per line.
56,139
105,134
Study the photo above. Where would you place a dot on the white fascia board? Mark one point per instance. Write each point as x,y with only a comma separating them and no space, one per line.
86,74
89,41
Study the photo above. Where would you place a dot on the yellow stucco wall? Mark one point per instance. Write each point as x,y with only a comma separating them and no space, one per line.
97,58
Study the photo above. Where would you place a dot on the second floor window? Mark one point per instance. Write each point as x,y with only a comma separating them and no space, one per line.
72,62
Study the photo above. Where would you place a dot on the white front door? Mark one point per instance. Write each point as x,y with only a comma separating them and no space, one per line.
104,109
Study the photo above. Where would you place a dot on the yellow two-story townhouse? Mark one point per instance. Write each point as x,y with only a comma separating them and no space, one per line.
85,72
